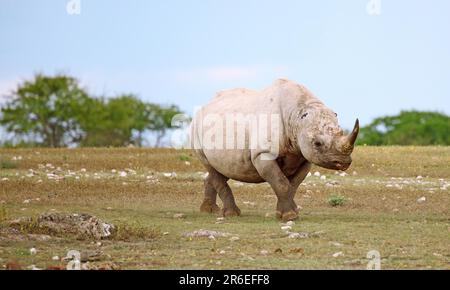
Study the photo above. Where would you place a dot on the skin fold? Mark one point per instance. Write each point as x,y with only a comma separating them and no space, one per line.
308,133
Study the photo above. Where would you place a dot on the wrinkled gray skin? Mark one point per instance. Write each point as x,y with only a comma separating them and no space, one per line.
310,133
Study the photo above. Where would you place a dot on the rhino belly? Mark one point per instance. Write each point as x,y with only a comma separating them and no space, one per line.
234,164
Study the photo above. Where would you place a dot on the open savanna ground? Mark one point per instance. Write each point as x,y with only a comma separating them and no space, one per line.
395,200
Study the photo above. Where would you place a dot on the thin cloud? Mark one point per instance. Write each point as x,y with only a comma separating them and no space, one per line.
227,73
7,86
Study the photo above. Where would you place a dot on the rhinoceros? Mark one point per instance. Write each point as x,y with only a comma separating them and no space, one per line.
307,132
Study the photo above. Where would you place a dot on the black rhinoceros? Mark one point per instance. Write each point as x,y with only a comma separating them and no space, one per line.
306,132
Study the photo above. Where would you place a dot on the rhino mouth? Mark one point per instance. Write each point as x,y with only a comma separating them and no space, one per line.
336,165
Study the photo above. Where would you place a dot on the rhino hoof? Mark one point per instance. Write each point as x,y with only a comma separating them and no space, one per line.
287,216
209,207
226,212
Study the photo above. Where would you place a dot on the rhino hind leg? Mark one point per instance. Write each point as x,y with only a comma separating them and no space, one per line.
209,203
221,186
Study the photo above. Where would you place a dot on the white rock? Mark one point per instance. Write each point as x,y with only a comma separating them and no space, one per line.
290,223
33,251
338,254
297,235
55,258
211,237
336,244
179,216
343,174
419,177
187,163
286,228
317,173
165,233
122,174
309,174
83,170
233,239
26,201
323,177
222,252
422,199
264,252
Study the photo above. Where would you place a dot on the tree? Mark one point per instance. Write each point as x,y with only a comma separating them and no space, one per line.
161,120
408,128
55,112
47,109
118,121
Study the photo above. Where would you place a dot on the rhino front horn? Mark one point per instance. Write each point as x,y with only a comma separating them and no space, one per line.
354,134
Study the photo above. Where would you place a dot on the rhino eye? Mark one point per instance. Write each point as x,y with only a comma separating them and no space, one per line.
304,115
318,143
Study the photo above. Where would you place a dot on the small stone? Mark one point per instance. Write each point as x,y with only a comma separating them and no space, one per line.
419,177
55,258
233,239
264,252
336,244
220,219
165,233
290,223
298,235
187,163
122,174
286,228
422,199
338,254
211,237
179,216
317,174
33,251
323,177
342,174
26,201
309,174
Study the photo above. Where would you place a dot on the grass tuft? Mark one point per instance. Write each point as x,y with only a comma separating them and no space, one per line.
336,200
5,164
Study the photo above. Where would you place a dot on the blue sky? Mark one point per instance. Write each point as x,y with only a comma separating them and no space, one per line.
182,52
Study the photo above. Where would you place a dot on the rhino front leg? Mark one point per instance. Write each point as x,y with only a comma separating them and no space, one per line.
221,186
297,179
271,172
209,203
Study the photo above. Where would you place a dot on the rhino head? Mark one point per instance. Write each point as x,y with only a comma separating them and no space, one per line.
322,141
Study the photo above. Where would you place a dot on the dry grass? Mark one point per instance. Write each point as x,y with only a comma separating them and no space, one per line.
128,188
